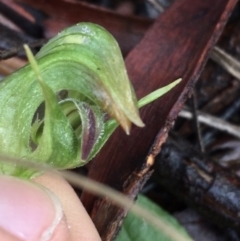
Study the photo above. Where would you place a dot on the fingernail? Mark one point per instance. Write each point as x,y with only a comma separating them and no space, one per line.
28,211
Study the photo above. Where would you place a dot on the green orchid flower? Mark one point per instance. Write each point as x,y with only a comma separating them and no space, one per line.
80,80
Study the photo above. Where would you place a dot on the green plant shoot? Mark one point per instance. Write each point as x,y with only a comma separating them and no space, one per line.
79,77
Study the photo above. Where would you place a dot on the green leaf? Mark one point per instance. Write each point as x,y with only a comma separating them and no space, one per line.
157,93
137,229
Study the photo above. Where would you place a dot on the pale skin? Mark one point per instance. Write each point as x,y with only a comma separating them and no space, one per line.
75,224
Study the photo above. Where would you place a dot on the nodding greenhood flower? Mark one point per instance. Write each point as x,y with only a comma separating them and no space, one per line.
78,77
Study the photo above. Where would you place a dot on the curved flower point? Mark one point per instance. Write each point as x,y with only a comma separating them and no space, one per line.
97,51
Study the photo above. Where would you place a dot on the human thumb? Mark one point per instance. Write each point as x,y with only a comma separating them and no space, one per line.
29,211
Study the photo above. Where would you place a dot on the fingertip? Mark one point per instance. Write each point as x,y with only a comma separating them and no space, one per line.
28,211
6,236
61,232
81,227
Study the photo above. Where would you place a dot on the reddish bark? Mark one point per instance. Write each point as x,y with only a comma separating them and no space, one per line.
177,45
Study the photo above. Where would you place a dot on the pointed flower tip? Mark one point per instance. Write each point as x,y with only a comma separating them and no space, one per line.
127,127
138,121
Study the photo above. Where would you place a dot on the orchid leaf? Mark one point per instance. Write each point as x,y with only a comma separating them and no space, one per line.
137,229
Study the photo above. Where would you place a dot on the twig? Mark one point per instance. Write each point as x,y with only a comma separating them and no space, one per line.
213,122
196,122
10,65
6,54
225,115
158,6
199,181
229,63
